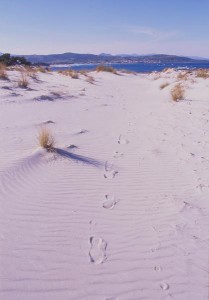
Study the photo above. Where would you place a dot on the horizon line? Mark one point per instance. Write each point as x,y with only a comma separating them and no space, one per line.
104,53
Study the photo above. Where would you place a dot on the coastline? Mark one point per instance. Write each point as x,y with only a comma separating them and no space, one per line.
135,67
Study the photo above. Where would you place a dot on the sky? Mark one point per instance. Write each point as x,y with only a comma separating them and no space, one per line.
179,27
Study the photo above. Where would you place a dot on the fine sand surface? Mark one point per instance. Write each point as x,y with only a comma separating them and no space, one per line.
120,211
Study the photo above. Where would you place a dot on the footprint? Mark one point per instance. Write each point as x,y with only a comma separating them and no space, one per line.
110,173
81,131
118,154
188,206
158,268
97,251
109,202
122,140
164,286
72,147
48,122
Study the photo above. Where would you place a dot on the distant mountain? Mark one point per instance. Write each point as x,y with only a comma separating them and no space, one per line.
105,54
135,55
104,58
198,58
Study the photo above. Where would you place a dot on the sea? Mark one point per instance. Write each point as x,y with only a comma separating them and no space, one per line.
136,67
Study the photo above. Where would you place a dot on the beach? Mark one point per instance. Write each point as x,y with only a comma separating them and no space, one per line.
119,208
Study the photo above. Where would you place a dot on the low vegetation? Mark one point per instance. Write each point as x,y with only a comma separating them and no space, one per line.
202,73
177,93
102,68
83,72
73,74
46,139
167,70
41,69
9,60
182,76
128,72
90,79
3,73
163,85
23,80
31,72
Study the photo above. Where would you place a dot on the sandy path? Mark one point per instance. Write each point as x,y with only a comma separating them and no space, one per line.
125,215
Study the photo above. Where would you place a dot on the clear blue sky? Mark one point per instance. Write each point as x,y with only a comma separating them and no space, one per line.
112,26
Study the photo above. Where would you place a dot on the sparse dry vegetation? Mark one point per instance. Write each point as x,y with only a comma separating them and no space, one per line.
41,69
31,72
106,69
156,75
23,80
46,139
3,73
73,74
182,76
83,72
177,93
128,72
202,73
167,70
90,79
163,85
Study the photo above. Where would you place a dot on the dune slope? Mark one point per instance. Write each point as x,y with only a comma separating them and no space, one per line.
120,209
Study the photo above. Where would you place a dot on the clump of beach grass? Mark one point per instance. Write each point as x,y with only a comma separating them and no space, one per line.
163,85
73,74
83,72
182,76
46,139
102,68
90,79
31,72
177,93
3,73
128,72
23,80
41,69
202,73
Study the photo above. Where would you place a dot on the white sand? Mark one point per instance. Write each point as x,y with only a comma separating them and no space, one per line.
124,215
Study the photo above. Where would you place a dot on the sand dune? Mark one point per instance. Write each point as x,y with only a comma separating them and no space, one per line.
120,209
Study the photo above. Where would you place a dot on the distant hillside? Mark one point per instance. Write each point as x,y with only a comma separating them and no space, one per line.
71,58
103,58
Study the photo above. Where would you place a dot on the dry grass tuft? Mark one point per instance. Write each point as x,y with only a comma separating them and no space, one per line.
166,70
177,93
163,85
106,69
23,81
73,74
90,79
42,69
128,72
202,73
3,73
46,139
31,72
182,76
156,75
83,72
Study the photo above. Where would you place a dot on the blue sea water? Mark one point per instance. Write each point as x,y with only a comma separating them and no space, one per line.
138,67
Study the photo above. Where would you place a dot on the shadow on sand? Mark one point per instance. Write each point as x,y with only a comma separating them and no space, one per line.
79,158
